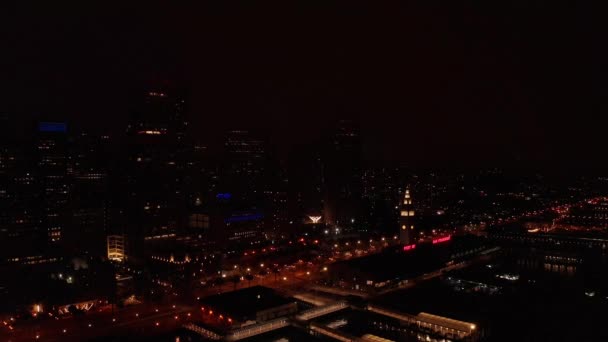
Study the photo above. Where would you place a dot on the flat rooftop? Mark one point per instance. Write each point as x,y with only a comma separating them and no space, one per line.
393,263
246,302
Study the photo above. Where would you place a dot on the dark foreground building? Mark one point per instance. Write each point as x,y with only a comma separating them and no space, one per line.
250,305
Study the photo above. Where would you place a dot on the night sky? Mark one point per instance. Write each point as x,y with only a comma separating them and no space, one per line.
473,83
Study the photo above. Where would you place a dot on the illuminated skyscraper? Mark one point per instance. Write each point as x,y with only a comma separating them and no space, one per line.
21,234
52,169
155,170
407,233
379,195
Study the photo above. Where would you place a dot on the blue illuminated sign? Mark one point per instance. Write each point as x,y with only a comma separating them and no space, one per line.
53,127
243,218
224,196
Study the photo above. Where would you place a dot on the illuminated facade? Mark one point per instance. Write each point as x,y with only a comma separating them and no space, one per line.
116,247
406,220
243,226
315,219
276,211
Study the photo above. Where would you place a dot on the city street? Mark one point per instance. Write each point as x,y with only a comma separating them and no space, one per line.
143,319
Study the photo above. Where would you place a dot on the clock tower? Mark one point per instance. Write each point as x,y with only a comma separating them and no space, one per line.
406,220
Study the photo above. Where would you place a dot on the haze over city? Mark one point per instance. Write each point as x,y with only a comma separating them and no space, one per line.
282,171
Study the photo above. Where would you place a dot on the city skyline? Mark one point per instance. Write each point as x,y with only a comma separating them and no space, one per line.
503,77
303,172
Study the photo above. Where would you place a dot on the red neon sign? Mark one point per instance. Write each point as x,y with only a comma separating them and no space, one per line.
443,239
409,247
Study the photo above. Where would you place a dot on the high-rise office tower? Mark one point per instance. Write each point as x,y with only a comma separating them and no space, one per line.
379,195
407,232
342,173
245,161
155,206
21,235
200,184
89,200
306,183
52,173
275,201
201,175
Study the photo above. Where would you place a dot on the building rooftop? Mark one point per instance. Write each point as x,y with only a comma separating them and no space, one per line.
447,322
393,263
246,302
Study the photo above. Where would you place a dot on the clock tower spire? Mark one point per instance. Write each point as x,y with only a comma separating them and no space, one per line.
406,219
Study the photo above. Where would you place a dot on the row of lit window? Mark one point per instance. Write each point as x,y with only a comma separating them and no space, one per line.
32,260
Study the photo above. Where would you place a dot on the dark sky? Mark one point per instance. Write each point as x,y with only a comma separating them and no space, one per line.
475,82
